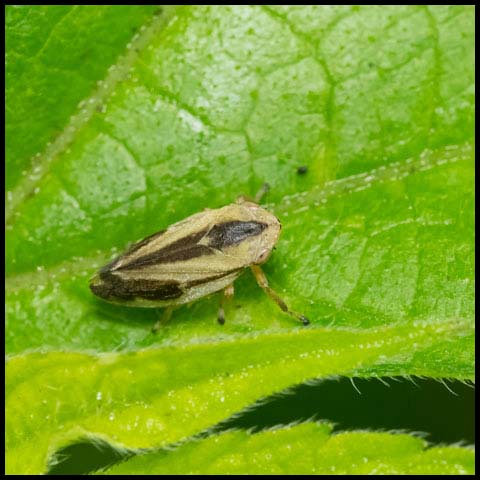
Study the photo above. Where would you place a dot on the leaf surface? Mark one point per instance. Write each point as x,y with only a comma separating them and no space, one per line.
377,246
306,449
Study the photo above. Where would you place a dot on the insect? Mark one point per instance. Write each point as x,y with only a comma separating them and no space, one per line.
195,257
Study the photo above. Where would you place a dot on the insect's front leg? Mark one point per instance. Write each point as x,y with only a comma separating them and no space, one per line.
263,283
227,295
264,189
167,313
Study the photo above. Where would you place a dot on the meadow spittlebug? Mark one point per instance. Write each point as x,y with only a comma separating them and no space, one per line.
192,258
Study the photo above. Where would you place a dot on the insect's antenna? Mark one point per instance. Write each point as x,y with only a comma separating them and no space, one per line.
263,190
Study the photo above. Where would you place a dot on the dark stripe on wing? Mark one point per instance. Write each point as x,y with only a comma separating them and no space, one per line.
230,233
201,281
113,286
133,248
143,242
184,248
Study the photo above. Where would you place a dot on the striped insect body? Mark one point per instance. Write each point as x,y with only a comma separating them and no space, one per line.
195,257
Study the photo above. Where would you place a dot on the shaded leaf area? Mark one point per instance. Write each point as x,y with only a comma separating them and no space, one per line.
390,404
304,449
54,56
392,246
393,403
155,397
85,456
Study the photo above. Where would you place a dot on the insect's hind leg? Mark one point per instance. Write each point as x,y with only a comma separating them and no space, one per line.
227,294
263,283
167,313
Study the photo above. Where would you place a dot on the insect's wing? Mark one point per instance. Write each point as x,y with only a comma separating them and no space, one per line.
187,252
194,257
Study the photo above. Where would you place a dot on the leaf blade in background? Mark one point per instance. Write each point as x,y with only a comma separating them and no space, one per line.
113,395
307,449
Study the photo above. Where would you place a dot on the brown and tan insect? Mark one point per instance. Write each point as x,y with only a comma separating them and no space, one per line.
202,254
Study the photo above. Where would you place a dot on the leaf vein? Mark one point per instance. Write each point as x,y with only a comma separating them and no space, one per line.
42,163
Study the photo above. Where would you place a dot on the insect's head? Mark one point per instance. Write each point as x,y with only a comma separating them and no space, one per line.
261,231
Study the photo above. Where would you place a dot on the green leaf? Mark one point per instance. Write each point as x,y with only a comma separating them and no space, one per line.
205,104
55,56
306,449
155,397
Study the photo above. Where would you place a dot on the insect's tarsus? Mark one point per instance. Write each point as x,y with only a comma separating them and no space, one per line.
227,295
